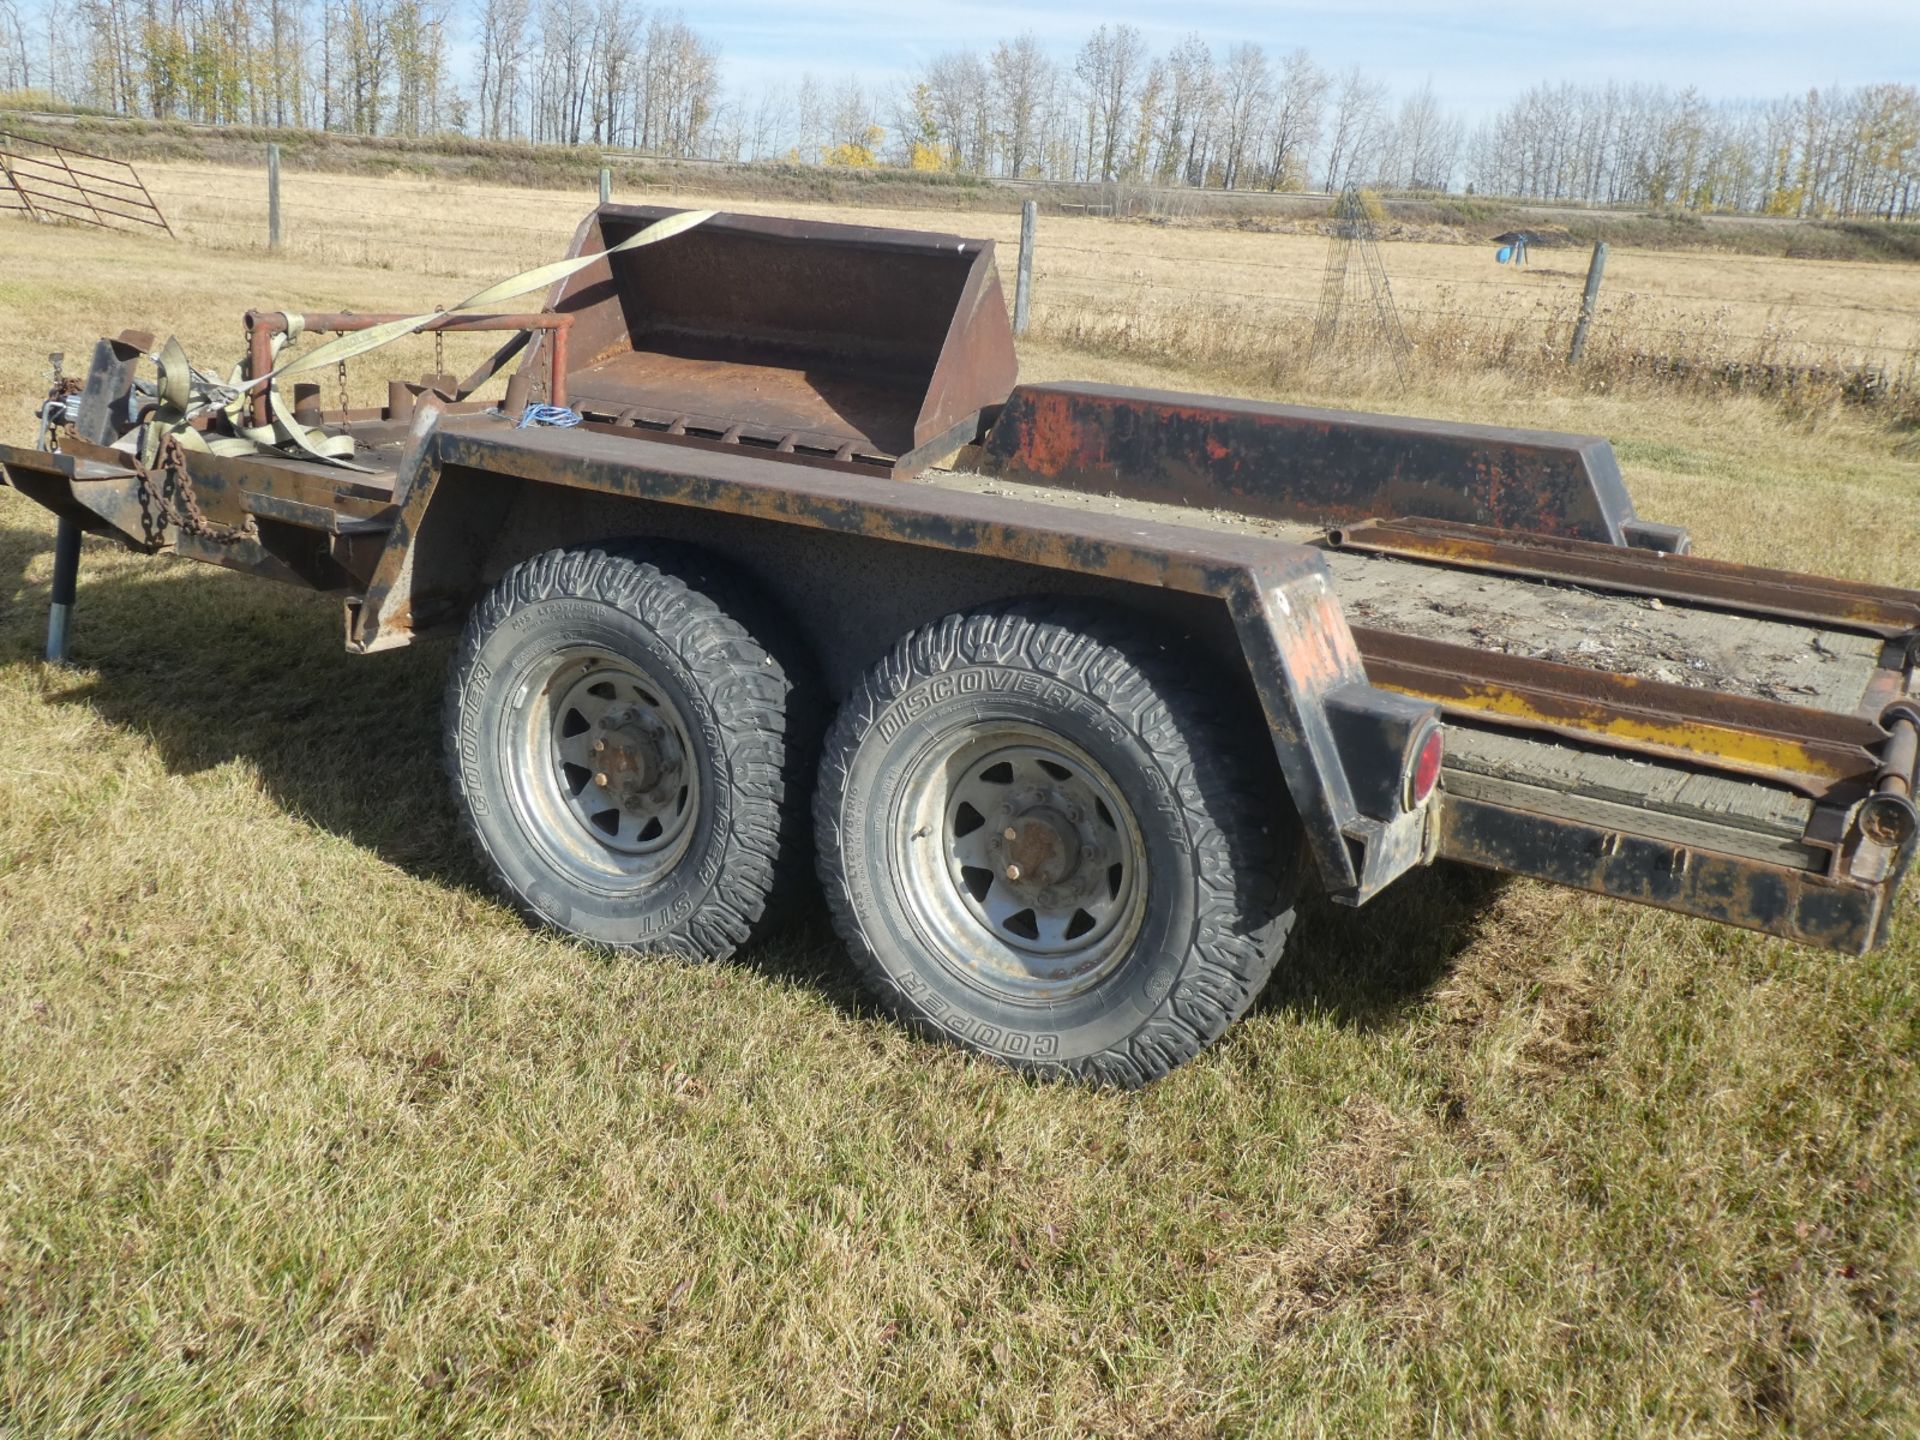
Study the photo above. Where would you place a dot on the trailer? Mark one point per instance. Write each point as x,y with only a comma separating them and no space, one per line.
1060,694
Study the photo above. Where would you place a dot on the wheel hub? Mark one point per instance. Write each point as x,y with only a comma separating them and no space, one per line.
637,757
603,770
1043,850
1036,882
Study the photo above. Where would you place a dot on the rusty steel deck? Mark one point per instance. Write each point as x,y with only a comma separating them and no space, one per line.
1711,708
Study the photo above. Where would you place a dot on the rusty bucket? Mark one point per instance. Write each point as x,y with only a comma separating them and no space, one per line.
879,348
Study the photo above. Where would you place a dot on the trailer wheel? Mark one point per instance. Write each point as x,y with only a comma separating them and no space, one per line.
619,744
1043,837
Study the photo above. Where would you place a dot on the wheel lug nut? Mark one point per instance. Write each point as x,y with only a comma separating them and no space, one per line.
601,779
598,746
1009,833
1013,872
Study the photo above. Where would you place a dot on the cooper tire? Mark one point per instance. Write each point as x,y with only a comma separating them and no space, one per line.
620,748
1043,837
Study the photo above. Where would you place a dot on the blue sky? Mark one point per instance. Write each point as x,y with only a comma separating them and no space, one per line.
1477,54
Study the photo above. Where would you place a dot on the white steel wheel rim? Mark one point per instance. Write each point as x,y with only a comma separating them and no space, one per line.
601,770
1022,864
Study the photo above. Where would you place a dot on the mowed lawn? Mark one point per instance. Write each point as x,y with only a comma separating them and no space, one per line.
301,1132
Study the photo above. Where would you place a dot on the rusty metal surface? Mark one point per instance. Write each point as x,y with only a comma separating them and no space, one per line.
1285,462
740,482
1814,751
263,325
1745,589
849,351
102,489
1889,816
1839,914
106,397
1295,639
1902,756
872,345
341,322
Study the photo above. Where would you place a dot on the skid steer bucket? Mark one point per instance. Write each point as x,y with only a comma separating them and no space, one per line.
877,348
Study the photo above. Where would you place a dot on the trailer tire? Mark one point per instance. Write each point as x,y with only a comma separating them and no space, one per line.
1162,861
678,843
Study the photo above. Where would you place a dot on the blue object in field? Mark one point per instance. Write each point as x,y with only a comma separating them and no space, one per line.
1505,254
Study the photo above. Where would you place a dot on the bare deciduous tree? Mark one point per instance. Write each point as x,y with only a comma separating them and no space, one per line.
1356,116
611,73
1187,118
1246,94
1023,77
1300,97
503,25
959,86
1110,67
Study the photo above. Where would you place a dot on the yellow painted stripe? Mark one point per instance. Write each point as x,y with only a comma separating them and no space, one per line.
1693,737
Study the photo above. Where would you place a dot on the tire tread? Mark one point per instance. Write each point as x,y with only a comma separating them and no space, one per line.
1246,859
749,693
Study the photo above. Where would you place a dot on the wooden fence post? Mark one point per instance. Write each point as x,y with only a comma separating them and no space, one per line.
606,184
1023,283
1589,302
273,197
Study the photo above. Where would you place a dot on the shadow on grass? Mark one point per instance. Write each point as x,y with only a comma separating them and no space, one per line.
17,551
211,667
1365,968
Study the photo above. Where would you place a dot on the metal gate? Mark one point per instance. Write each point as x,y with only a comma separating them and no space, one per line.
52,182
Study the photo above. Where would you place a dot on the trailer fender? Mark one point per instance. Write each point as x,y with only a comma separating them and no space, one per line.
461,476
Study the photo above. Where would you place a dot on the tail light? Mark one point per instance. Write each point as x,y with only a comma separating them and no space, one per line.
1423,770
1391,747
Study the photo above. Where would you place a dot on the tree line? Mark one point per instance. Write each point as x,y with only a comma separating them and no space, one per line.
1243,117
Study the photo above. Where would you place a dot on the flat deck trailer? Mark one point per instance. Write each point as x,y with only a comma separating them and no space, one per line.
1067,689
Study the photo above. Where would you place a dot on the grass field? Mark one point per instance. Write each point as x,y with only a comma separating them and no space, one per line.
1095,269
302,1133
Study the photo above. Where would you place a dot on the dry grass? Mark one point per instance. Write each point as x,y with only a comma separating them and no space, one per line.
1806,309
301,1133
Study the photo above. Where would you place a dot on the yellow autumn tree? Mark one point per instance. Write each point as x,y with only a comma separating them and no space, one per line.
924,150
855,154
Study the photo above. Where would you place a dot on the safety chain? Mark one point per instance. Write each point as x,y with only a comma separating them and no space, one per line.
174,502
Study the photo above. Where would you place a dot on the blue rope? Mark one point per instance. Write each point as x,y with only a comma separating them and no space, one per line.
558,415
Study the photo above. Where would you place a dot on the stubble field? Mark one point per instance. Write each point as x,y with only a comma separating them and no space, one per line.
302,1133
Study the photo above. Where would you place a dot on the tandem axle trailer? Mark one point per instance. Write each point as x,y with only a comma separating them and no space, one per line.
1059,693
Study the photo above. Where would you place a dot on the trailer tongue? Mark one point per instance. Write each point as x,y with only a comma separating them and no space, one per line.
1113,667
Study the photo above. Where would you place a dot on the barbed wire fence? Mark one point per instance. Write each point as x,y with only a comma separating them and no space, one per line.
1686,336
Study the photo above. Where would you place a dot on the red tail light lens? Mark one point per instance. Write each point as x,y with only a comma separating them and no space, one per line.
1424,774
